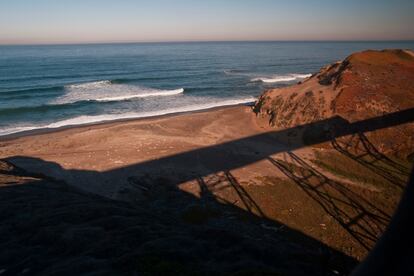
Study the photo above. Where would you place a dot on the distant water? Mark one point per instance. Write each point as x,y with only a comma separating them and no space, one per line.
54,86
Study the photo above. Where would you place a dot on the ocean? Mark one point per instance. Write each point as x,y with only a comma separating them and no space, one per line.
51,86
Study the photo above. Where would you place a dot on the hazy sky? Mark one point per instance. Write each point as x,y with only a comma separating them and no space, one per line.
74,21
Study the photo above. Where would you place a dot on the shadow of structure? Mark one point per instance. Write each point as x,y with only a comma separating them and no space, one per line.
218,183
364,221
360,149
51,228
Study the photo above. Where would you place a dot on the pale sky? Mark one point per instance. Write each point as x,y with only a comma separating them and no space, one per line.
91,21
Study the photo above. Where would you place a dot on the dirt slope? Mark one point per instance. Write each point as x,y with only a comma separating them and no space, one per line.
365,85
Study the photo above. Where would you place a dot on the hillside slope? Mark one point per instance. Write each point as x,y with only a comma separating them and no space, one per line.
365,85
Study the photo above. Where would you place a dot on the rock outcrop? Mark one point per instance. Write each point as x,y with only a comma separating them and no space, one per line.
365,85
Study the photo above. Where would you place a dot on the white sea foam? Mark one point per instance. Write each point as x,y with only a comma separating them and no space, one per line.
267,78
82,120
12,130
90,85
282,78
106,91
150,93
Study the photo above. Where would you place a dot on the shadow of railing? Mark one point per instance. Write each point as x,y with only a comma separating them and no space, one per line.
358,148
360,218
241,152
162,231
212,187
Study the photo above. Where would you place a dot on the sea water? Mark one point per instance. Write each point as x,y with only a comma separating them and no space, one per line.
51,86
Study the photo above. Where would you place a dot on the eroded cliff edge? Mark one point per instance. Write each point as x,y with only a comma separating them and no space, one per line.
365,85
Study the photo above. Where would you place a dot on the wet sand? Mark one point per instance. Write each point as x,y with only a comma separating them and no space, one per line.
187,193
108,146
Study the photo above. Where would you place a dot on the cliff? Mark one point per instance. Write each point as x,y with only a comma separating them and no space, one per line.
365,85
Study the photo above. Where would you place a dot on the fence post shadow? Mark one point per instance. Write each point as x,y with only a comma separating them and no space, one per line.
364,222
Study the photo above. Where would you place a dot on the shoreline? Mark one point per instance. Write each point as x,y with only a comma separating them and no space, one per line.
221,168
109,146
223,152
42,131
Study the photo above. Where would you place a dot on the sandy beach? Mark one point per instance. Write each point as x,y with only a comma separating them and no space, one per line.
201,153
110,147
196,179
298,183
197,138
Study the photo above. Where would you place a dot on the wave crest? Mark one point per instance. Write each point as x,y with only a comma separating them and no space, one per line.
110,91
282,78
86,119
89,85
155,93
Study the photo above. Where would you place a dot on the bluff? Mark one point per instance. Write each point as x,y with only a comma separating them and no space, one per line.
365,85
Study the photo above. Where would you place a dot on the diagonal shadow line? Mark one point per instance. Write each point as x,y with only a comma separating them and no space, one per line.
247,200
241,152
345,192
230,155
327,203
210,188
264,145
261,231
372,159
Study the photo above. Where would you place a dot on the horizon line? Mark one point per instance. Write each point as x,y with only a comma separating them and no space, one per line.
200,41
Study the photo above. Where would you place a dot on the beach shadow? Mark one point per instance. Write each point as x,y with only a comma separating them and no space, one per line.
358,148
212,186
364,221
52,228
187,233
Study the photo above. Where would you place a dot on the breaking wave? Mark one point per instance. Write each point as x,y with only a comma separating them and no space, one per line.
109,91
150,93
85,119
281,78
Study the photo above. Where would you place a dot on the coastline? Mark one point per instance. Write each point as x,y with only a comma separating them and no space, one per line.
206,138
108,146
41,131
222,146
117,160
257,161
